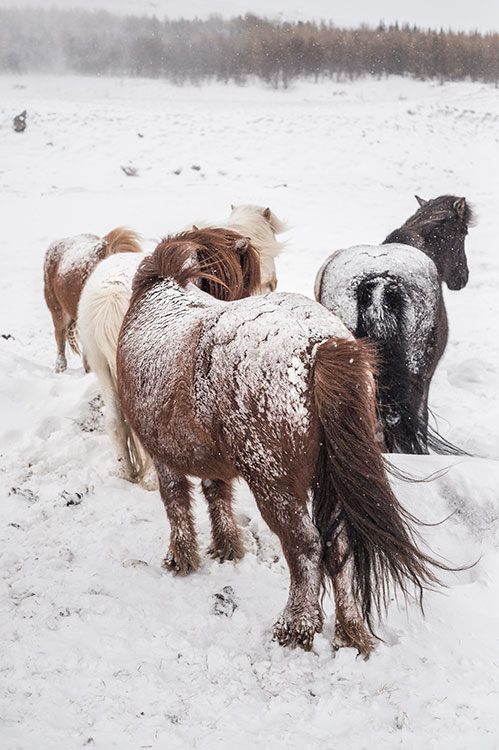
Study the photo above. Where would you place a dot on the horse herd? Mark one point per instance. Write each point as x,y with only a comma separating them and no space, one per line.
205,371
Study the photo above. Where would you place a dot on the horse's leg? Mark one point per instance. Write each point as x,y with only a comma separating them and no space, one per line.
61,322
287,516
350,628
226,539
175,489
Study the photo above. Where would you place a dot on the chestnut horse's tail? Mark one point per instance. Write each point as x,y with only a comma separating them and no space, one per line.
122,240
352,495
100,315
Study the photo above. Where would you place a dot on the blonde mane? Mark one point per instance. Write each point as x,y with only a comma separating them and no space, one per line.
122,240
261,225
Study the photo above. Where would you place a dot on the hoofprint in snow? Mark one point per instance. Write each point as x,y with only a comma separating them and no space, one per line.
102,648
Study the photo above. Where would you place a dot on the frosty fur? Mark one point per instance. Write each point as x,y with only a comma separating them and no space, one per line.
68,263
392,295
276,390
103,305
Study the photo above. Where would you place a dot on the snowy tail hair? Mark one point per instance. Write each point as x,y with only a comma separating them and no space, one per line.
382,305
101,314
72,336
224,263
351,492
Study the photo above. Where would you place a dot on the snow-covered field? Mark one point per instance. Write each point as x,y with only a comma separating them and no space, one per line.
99,646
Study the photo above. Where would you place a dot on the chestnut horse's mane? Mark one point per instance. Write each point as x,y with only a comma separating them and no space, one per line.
225,262
121,240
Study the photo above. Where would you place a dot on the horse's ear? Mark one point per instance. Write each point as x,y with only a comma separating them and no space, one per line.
267,213
242,245
232,206
421,201
460,207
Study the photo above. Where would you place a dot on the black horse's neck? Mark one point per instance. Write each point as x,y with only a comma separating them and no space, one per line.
405,237
433,245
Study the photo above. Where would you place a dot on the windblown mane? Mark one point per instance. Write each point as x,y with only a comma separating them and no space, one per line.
225,262
248,220
121,240
430,214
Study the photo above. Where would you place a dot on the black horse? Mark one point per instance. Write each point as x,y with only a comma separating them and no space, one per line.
392,294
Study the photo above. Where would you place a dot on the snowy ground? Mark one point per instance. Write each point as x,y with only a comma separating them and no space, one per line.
102,648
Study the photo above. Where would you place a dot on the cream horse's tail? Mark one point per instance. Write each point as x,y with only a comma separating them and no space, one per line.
103,305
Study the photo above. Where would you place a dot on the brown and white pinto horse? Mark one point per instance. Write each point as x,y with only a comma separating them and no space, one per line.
68,263
274,389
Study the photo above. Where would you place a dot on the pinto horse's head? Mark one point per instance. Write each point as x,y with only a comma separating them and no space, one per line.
443,225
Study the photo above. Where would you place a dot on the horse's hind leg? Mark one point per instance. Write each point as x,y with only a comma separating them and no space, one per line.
287,516
226,539
350,628
61,322
175,489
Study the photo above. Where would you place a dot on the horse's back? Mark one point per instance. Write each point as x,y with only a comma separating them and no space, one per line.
115,269
68,263
264,348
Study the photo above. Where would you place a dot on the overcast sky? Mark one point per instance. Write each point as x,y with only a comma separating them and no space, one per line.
482,15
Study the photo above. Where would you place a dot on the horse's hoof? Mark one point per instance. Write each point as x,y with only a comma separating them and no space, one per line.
180,565
60,366
297,632
229,552
356,637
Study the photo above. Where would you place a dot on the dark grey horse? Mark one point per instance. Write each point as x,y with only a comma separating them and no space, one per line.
392,294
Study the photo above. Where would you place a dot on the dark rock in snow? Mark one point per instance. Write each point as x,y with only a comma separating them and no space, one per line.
130,171
19,122
73,498
225,602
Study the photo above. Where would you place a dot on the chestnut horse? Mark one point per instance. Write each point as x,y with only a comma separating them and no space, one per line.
273,389
68,263
105,300
392,294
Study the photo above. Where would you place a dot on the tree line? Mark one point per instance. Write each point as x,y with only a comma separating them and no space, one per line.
278,52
